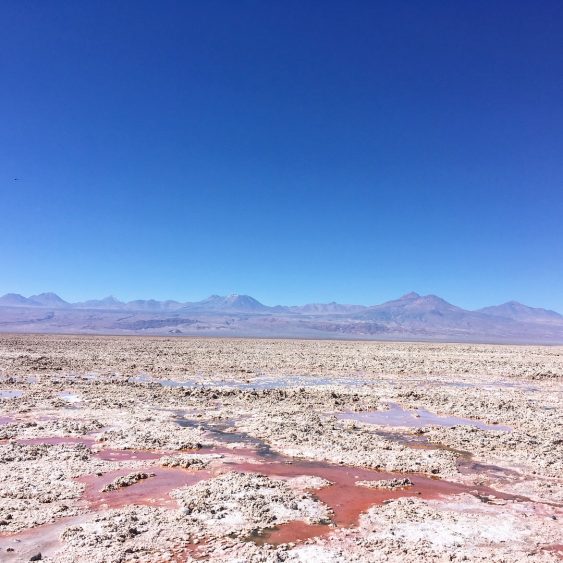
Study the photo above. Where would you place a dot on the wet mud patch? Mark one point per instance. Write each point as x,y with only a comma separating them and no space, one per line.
348,500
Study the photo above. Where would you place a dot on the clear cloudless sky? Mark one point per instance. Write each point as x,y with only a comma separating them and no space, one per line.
293,150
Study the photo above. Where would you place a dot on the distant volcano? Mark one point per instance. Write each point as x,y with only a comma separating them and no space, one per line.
518,312
49,300
233,302
412,316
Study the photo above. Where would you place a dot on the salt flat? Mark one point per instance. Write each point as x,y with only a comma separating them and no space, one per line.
155,449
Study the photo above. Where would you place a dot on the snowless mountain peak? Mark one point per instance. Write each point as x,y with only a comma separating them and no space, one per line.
244,301
520,312
233,302
16,300
411,295
49,299
410,316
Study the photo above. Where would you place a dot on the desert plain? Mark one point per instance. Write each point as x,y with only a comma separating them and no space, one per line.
208,449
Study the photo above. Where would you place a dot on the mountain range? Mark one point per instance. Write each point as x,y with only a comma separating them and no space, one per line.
412,316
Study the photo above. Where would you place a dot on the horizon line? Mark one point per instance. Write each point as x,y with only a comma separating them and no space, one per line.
414,294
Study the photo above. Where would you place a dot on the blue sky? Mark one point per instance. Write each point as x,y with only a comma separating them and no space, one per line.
296,151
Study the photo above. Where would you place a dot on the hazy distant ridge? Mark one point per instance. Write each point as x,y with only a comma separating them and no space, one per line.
410,316
519,312
409,305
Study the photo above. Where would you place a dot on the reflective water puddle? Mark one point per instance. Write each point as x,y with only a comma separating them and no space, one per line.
260,383
417,418
221,431
69,397
10,394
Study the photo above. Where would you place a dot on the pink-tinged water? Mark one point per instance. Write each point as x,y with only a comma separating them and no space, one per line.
6,420
417,418
346,499
45,539
555,548
349,500
153,491
291,532
42,539
189,551
128,455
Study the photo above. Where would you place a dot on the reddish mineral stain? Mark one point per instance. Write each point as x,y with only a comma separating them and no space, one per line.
556,549
127,455
292,532
344,497
190,551
348,500
44,539
153,491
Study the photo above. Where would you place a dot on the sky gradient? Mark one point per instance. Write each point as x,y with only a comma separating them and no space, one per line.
294,151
